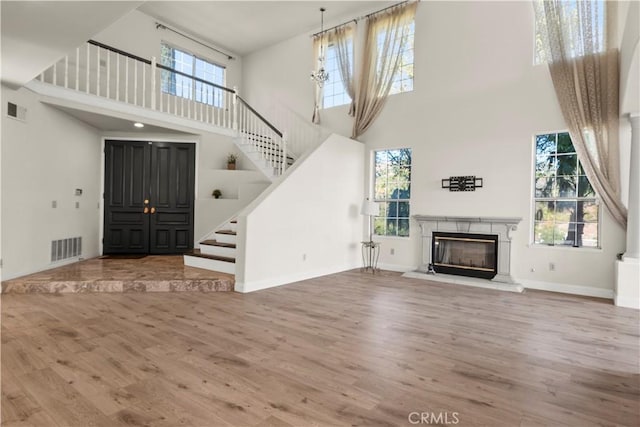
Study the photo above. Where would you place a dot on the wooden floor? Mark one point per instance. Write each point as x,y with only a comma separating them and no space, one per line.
346,349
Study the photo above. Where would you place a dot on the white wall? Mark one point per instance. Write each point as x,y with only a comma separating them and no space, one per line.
477,104
45,159
308,224
136,33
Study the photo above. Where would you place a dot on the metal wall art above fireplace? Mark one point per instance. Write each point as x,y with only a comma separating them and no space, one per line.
465,254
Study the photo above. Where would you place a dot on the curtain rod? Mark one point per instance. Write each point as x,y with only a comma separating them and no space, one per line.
361,17
164,27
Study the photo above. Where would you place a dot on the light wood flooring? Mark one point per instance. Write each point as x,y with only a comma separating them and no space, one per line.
346,349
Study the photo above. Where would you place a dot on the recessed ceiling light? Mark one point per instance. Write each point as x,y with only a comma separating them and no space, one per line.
138,125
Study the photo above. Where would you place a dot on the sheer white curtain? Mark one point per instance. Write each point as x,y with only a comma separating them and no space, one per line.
341,38
585,74
317,95
385,36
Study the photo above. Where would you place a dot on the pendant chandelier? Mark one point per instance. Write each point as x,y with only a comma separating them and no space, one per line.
321,76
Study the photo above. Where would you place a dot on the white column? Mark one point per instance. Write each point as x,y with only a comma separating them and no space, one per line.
633,221
627,293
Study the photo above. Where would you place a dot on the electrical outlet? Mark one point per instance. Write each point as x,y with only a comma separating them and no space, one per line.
552,266
393,251
54,204
304,257
77,205
533,270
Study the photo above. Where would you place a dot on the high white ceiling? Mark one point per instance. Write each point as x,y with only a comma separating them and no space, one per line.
243,27
35,34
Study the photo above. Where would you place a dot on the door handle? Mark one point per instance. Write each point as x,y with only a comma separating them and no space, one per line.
146,201
153,210
146,210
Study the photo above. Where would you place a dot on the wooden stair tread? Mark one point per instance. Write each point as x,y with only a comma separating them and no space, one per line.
197,253
216,243
230,232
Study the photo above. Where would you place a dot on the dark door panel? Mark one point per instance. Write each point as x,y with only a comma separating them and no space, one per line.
126,228
172,190
149,197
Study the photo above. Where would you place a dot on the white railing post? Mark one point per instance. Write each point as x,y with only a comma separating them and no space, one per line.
98,70
235,108
108,74
66,72
284,153
88,66
78,68
153,82
117,77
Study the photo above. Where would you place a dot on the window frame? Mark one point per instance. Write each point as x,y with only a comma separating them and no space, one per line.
340,82
385,201
396,79
194,85
539,60
534,199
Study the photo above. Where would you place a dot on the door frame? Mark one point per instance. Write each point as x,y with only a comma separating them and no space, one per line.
156,138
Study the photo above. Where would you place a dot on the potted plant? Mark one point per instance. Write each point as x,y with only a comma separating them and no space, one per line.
216,193
231,161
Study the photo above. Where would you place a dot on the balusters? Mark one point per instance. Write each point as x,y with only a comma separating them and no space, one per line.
108,74
98,70
153,84
88,67
78,68
126,79
55,74
144,86
66,72
117,77
135,82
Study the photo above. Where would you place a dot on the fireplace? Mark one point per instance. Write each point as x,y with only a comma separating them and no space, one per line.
465,254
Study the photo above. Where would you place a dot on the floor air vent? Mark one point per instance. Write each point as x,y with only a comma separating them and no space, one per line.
66,248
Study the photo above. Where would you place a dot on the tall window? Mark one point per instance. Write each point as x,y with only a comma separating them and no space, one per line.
566,209
333,92
403,80
392,184
572,15
179,85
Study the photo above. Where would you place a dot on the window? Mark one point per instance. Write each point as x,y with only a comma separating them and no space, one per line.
392,184
572,13
185,87
333,92
403,80
566,209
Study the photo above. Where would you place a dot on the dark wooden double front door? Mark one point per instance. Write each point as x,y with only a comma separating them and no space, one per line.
149,197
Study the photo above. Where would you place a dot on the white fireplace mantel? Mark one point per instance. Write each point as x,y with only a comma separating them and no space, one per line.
500,226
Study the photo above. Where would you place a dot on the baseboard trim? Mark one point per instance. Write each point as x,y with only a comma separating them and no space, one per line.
258,285
565,288
396,267
626,302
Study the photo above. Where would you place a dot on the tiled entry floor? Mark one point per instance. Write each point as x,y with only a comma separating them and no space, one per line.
152,273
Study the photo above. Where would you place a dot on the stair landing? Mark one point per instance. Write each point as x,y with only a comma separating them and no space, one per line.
151,273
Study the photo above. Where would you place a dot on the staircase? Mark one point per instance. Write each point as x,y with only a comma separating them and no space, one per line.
217,253
108,78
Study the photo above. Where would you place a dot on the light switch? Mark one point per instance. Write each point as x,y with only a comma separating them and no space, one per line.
54,204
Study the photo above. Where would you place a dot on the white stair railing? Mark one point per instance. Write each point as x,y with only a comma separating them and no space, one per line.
107,72
302,133
263,137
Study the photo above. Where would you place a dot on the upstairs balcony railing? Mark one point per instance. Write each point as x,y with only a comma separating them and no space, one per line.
108,72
